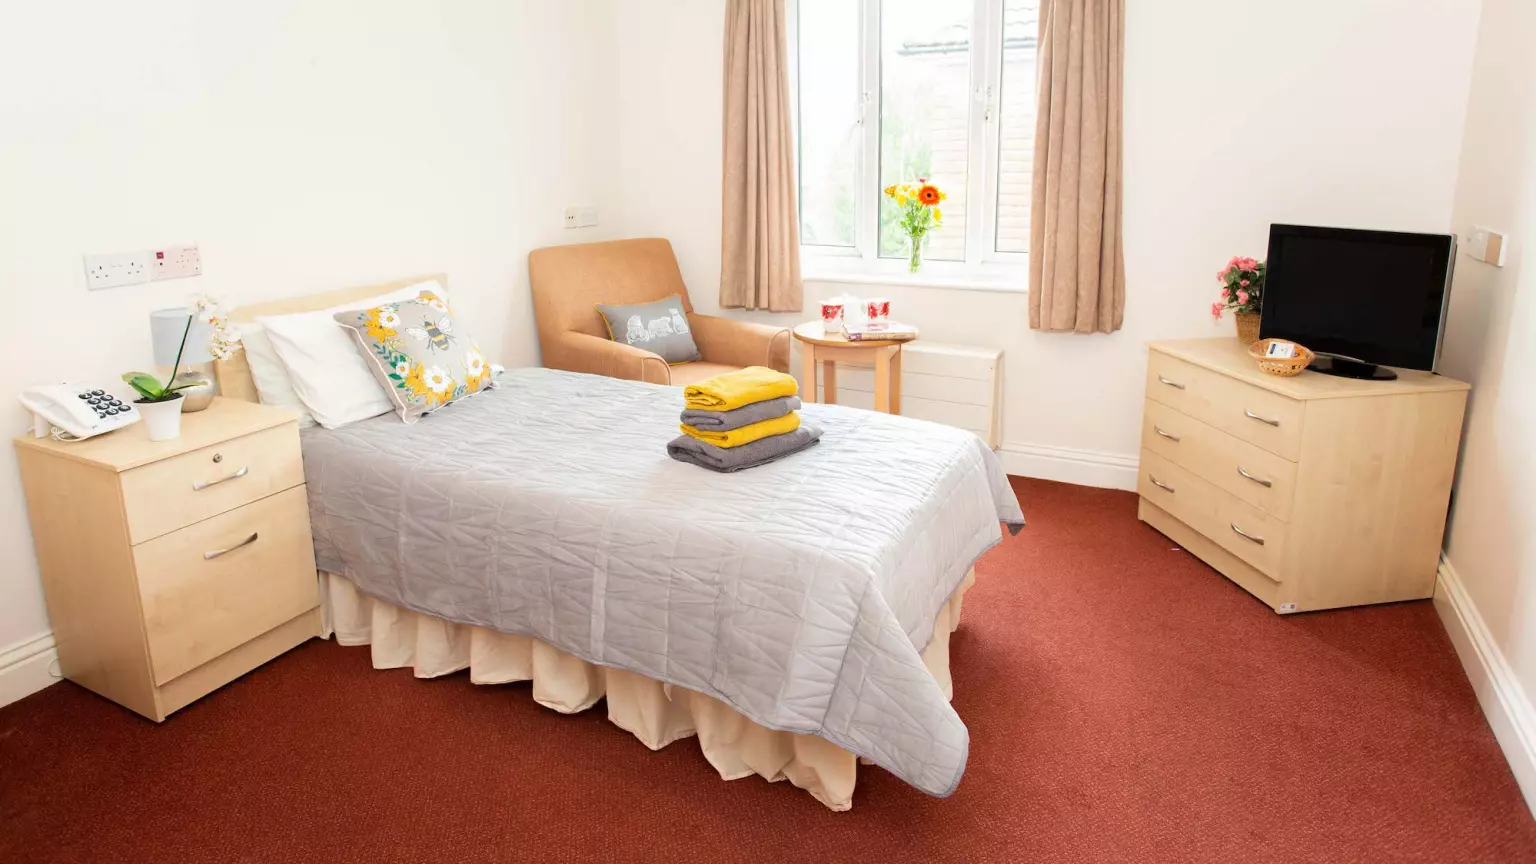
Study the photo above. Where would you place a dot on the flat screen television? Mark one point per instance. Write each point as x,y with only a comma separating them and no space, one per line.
1362,300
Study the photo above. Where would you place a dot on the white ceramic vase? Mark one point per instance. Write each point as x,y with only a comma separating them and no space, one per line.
162,420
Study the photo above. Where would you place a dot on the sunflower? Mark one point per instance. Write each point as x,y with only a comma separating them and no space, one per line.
929,194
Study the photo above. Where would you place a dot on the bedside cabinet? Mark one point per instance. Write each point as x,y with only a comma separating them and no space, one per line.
1310,492
173,567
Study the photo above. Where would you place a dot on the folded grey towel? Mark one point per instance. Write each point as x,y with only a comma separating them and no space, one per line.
724,421
685,448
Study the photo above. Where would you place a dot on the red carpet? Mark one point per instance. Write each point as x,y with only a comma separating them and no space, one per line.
1126,704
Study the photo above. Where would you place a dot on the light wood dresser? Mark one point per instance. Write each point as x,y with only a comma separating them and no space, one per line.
172,568
1310,492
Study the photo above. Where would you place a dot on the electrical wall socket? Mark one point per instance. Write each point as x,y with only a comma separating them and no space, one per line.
1486,245
175,262
580,217
116,268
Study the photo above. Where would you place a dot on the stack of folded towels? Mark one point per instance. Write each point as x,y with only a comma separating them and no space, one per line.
740,420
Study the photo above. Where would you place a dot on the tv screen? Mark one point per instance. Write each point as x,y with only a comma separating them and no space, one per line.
1373,296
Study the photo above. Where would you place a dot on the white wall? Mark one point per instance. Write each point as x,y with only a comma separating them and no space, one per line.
305,145
1238,113
1491,341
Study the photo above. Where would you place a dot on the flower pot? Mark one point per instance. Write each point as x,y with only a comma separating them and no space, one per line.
162,420
1247,327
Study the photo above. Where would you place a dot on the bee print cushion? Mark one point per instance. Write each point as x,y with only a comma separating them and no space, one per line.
660,327
420,352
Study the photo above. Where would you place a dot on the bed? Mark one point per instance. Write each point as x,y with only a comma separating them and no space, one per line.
794,617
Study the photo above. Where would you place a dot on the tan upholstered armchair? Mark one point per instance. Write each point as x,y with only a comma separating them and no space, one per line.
569,281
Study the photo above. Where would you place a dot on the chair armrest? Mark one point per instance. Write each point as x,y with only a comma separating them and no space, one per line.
580,352
740,343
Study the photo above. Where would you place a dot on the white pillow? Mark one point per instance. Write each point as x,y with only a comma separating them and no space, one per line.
273,386
327,374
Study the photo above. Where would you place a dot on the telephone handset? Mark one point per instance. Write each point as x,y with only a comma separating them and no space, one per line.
76,409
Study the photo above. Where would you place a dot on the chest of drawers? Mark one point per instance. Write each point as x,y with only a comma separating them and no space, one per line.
1310,492
173,567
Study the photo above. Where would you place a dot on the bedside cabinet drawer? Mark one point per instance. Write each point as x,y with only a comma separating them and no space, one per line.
1253,414
177,492
215,585
1249,472
1245,531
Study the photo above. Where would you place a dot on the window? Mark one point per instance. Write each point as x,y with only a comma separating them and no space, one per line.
888,91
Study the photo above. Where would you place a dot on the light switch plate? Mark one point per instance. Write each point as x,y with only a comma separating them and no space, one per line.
116,268
175,262
587,217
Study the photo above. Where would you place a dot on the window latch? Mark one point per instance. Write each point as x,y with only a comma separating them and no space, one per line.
984,98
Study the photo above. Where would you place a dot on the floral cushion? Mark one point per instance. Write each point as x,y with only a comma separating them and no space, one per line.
420,352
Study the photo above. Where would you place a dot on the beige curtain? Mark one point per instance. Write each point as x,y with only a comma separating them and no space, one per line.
1076,263
760,232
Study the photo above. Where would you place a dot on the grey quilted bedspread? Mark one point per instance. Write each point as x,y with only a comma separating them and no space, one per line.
801,592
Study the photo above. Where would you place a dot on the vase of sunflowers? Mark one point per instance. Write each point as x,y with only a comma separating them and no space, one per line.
920,213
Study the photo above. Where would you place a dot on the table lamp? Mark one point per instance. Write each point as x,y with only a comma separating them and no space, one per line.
166,328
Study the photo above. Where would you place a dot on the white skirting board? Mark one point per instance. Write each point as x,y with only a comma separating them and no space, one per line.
27,667
1504,702
1081,467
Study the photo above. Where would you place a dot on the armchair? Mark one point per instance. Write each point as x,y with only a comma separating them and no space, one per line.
569,281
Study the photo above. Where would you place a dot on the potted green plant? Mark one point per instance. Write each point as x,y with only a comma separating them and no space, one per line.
161,403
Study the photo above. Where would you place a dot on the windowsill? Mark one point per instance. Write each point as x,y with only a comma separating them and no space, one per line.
998,277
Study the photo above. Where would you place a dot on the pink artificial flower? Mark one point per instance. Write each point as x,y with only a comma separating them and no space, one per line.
1225,293
1243,283
1242,296
1249,264
1234,262
1216,310
1221,275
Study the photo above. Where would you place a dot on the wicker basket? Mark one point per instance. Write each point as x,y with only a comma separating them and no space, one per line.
1285,367
1247,327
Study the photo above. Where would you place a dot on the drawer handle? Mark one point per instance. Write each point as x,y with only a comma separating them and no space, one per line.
1252,416
204,484
1174,384
209,556
1169,436
1159,484
1246,536
1259,480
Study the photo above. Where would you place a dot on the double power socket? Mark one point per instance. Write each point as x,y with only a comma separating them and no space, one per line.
132,268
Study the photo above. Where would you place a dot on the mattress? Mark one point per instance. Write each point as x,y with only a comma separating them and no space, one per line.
801,593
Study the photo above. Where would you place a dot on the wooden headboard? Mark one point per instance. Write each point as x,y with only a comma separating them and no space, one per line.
234,374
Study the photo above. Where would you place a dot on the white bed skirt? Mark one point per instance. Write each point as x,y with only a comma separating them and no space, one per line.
656,713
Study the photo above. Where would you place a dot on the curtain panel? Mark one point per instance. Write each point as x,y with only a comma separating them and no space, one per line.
1077,260
760,231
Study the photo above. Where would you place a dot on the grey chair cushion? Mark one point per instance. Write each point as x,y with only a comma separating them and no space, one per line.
660,327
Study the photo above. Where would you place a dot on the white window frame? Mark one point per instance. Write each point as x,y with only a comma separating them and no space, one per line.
985,266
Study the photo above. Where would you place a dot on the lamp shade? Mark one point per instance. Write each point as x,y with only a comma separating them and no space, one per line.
166,327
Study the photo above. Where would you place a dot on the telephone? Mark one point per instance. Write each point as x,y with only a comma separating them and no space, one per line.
78,410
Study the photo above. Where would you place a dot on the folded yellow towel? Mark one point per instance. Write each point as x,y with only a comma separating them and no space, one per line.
746,434
743,387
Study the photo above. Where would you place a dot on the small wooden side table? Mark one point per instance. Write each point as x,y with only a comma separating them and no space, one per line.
830,348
